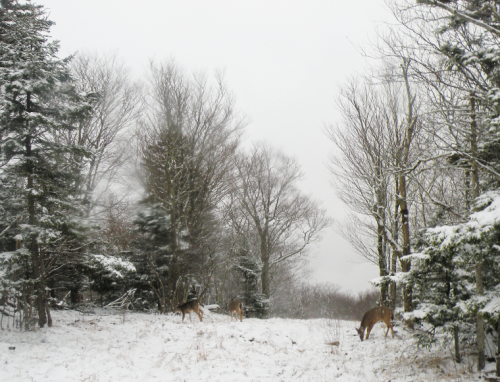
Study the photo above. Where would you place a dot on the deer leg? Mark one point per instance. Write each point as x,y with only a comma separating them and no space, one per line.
183,314
241,316
368,330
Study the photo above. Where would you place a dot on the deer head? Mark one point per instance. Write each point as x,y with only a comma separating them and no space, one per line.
361,332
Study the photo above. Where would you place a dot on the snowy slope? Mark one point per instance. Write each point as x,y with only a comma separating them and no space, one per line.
109,346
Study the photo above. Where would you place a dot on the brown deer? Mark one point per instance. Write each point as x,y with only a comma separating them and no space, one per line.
236,307
191,306
373,316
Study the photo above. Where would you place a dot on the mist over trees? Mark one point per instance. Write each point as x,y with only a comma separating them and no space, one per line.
138,193
141,193
267,203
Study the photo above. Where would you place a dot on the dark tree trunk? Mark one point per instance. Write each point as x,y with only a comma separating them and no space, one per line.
382,265
405,231
479,317
74,292
479,260
458,358
265,278
395,254
36,256
497,356
379,210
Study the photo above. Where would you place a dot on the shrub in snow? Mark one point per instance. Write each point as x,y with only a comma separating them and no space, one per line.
107,274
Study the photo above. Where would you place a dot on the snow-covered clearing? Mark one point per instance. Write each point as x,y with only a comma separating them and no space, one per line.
109,346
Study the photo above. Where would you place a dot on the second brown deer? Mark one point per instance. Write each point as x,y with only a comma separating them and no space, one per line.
236,308
191,306
373,316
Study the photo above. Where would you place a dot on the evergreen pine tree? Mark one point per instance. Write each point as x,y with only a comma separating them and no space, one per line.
439,290
256,303
444,273
38,176
151,257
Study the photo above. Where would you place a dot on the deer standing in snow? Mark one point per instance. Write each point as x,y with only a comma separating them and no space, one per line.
373,316
191,306
236,307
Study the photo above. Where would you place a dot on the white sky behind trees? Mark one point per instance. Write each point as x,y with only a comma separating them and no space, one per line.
283,59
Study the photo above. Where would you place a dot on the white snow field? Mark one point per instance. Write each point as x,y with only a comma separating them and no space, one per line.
110,346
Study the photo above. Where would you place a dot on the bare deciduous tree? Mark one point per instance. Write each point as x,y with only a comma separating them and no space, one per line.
360,170
105,133
378,148
283,219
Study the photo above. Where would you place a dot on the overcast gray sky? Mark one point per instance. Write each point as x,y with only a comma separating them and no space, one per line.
283,59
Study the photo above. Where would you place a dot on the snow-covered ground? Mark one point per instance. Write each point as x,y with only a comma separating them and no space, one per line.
110,346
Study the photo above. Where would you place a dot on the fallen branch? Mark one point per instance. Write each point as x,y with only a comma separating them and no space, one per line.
124,301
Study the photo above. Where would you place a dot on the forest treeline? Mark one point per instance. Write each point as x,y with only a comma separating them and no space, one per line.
417,160
116,190
136,193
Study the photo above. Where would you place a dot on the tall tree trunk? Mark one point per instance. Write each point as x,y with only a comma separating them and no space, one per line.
409,132
265,255
458,358
405,232
37,260
36,256
266,281
479,318
473,145
382,265
382,262
497,356
479,260
265,278
468,193
395,254
174,270
379,210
